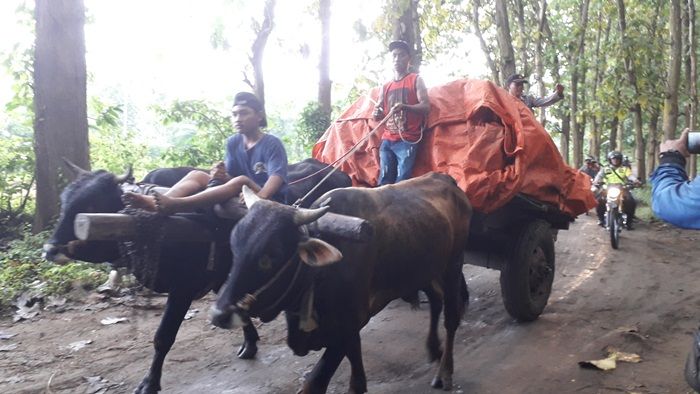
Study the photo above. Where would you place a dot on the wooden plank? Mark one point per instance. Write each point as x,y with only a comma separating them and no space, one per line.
121,227
348,227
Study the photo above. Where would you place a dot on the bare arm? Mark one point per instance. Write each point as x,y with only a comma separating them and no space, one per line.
546,101
423,106
270,188
378,113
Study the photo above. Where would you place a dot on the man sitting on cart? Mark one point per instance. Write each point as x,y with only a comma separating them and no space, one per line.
615,174
407,97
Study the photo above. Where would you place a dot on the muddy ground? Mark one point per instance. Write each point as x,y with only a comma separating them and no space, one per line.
643,298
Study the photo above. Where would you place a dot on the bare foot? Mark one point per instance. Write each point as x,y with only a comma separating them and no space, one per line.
140,201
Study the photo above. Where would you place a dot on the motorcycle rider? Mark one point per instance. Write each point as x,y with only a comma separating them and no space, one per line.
590,167
615,174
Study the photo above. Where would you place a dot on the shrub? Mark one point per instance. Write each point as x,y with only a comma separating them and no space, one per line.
22,267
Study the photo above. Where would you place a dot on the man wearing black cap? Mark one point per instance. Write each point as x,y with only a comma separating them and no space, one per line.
407,98
253,158
515,85
590,167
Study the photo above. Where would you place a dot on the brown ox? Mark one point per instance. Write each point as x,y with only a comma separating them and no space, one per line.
421,227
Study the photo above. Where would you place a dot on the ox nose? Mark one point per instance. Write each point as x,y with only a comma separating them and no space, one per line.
228,319
54,254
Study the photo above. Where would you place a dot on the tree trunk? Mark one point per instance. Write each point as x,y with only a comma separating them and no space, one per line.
505,42
60,124
495,77
621,135
594,144
612,140
653,137
407,28
670,116
692,85
565,134
576,73
524,34
262,33
632,78
324,80
639,143
539,55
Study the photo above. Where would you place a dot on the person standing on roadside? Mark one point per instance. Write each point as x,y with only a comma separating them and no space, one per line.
676,200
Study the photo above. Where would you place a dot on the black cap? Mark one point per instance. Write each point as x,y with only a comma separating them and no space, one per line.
516,78
400,44
251,101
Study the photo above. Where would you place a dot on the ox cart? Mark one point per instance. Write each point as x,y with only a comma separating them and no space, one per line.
518,240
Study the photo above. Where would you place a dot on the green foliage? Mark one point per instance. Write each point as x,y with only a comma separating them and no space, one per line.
308,128
21,267
313,122
643,197
113,145
16,132
199,134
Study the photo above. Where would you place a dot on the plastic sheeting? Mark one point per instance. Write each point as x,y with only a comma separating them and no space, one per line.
486,139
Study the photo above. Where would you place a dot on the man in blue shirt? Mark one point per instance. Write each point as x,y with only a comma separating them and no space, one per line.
253,158
677,201
674,198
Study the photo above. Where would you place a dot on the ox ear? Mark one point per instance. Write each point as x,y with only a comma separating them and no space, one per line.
249,196
73,168
318,253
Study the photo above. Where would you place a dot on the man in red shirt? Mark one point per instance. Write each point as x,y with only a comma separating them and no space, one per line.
407,97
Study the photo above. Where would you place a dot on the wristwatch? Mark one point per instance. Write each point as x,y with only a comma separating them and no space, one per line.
672,156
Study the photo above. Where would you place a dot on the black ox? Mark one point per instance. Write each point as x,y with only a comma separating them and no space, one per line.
183,270
420,231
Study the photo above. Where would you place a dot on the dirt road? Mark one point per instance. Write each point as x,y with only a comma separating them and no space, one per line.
643,298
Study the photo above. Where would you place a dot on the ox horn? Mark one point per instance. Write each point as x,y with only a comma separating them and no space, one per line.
249,197
126,177
306,216
73,168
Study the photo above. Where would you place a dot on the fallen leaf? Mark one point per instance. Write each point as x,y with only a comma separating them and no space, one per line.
55,302
604,364
610,362
14,379
4,335
96,384
75,346
112,320
191,313
623,356
26,313
8,348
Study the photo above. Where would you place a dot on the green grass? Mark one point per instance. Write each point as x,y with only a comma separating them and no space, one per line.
22,268
643,197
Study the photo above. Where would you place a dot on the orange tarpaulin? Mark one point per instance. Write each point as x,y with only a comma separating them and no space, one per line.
486,139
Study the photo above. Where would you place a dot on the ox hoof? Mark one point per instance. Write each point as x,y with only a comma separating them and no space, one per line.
247,350
146,387
440,383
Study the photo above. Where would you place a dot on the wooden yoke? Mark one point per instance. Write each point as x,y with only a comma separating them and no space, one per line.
121,227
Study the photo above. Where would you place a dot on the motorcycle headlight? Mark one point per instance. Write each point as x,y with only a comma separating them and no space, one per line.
613,192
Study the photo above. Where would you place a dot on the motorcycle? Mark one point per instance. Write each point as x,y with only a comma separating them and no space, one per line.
615,216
